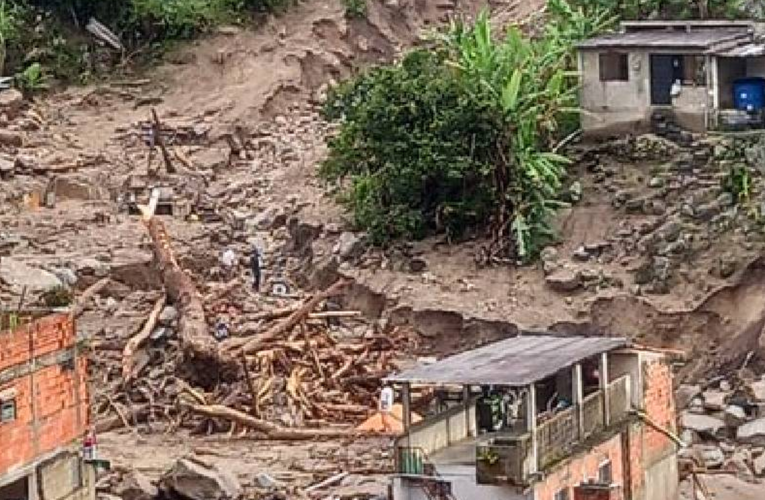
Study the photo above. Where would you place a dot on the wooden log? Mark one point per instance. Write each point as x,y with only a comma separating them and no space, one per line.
296,317
200,349
160,141
270,430
88,294
128,354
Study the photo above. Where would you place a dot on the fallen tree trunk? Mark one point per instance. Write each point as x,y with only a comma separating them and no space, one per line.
200,349
88,294
294,318
128,354
272,431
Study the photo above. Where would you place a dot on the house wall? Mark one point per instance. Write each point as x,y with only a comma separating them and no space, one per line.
464,487
436,433
574,471
39,362
613,107
618,107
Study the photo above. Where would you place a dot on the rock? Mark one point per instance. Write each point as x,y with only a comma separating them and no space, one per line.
739,463
168,316
266,482
703,424
734,416
11,102
725,199
711,457
194,480
417,265
136,486
715,400
758,465
575,191
7,165
549,258
685,394
67,276
349,245
656,182
697,405
581,254
19,275
564,280
758,390
752,432
725,386
270,218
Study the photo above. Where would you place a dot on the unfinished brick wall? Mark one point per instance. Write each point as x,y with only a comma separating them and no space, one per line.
38,363
660,408
583,468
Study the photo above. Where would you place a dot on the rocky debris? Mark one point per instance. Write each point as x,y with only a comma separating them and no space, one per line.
11,102
136,486
684,394
752,432
714,400
192,479
701,424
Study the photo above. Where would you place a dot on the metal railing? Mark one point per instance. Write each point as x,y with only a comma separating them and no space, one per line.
414,463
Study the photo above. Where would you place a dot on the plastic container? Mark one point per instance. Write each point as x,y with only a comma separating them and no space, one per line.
749,94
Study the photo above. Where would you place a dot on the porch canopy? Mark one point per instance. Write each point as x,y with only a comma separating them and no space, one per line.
515,362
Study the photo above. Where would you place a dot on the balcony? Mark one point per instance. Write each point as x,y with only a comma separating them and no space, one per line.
507,459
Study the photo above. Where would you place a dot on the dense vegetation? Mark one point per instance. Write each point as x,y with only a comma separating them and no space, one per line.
462,135
676,9
50,33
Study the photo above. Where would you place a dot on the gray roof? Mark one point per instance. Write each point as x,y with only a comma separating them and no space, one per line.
517,361
703,40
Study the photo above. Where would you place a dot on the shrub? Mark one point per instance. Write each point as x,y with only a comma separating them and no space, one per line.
462,136
355,8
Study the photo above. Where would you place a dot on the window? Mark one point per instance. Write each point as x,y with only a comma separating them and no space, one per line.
614,67
605,473
7,411
562,494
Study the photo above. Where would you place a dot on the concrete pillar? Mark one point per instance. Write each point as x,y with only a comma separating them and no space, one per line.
578,394
603,371
531,424
466,402
406,403
32,487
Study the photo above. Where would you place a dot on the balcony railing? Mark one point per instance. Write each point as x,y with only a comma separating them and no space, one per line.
619,399
503,460
556,436
593,419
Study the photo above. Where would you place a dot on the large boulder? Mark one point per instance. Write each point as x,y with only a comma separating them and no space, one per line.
685,394
136,486
194,480
715,400
752,432
20,275
702,424
564,280
758,390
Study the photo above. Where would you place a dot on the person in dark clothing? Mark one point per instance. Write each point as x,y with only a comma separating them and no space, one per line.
255,267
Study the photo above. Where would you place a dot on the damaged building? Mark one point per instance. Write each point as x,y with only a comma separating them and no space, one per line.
699,75
538,417
43,410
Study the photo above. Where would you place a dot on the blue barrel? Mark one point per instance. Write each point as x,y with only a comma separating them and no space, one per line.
749,94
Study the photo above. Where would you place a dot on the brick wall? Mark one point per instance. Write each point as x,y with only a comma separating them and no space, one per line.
582,468
659,406
51,394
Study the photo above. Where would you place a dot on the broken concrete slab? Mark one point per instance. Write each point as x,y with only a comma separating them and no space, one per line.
195,480
758,390
715,400
685,394
734,416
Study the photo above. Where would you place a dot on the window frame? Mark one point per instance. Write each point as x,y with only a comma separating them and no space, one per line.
606,465
562,494
4,405
614,63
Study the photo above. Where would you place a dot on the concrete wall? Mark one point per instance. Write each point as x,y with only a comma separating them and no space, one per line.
436,433
60,475
579,469
620,364
464,487
661,480
618,107
39,364
615,106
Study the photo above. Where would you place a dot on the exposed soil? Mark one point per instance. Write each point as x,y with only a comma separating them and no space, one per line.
263,86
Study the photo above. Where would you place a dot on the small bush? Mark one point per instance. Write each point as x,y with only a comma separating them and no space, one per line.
355,8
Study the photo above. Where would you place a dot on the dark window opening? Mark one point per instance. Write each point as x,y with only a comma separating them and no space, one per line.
7,411
562,494
605,473
614,68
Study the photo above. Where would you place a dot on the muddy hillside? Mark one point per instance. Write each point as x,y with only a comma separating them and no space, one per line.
142,200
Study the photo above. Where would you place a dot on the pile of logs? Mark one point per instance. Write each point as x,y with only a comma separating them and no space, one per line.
291,378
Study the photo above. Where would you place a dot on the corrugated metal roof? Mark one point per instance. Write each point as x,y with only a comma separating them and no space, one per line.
748,50
515,362
700,39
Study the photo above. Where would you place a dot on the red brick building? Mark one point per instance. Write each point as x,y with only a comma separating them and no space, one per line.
539,417
43,410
